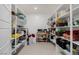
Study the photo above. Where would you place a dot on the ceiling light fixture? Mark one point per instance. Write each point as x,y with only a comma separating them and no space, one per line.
35,8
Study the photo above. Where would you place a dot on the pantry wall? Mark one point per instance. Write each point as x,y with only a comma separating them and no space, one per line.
5,29
37,21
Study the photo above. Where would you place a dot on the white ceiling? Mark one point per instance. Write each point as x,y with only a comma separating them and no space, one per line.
42,8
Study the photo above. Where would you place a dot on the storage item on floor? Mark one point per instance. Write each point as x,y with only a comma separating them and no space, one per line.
32,39
42,35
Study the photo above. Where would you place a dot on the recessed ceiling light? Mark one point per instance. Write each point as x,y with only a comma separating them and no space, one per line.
35,8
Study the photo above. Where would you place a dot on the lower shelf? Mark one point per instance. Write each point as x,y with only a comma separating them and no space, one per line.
16,51
17,46
63,51
76,42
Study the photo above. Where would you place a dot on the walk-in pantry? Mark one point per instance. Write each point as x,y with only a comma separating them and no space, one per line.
39,29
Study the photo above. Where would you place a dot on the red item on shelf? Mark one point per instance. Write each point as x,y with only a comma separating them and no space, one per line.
66,36
76,35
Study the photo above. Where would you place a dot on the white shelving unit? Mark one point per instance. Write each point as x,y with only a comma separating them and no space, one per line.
63,12
52,20
75,15
67,11
17,29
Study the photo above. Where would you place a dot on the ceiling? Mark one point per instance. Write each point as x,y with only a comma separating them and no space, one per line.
42,8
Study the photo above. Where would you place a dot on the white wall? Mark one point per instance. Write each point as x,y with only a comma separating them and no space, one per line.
36,21
5,29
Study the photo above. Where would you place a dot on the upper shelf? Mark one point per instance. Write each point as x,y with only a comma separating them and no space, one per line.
75,10
63,10
63,27
63,7
63,38
15,36
76,26
75,5
65,15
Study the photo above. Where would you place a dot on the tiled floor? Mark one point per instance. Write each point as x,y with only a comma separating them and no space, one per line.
41,48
